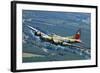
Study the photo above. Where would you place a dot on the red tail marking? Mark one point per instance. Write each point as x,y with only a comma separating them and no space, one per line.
78,34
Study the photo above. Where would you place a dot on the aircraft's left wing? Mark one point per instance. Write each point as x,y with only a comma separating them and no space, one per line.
72,45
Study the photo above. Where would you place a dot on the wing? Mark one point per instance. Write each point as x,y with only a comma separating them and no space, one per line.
42,35
72,45
32,28
36,30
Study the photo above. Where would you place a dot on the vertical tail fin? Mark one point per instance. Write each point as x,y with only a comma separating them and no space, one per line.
78,34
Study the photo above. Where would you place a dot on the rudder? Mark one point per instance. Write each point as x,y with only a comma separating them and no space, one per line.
78,34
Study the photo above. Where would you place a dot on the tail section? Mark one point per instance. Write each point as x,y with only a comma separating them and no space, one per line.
78,34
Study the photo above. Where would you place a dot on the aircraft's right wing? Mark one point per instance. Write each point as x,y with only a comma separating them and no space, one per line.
41,34
35,30
32,28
